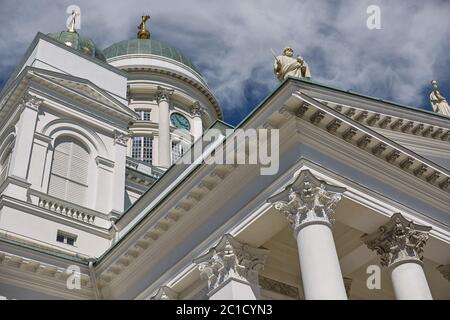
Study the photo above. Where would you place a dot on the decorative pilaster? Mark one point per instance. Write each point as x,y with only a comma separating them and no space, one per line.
21,155
165,293
399,243
445,271
231,261
308,203
162,97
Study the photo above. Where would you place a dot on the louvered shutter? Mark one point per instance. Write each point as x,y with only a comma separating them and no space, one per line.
69,175
4,165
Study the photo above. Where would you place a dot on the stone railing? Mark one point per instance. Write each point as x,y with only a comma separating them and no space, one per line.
64,208
145,168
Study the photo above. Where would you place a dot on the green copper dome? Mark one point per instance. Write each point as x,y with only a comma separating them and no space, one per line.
147,46
79,43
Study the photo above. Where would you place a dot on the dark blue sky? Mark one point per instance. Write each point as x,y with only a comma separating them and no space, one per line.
230,42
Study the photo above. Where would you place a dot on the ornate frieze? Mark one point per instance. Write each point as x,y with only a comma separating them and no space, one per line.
362,116
427,132
317,117
373,119
334,125
420,170
230,259
405,164
397,124
437,133
418,129
393,156
379,149
399,240
350,112
444,184
433,177
302,110
338,108
445,136
385,122
408,126
349,134
279,287
445,271
307,200
364,141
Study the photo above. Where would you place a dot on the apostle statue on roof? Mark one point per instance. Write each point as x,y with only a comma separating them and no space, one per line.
438,102
288,66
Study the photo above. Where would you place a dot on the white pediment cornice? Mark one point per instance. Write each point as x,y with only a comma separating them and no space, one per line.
82,90
76,92
354,132
380,114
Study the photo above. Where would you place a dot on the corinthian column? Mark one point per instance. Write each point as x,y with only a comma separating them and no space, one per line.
399,243
231,269
163,96
197,126
308,204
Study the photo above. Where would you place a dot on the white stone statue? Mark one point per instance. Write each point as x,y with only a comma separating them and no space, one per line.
286,65
438,102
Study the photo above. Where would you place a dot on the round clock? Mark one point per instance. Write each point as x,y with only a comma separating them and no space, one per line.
180,121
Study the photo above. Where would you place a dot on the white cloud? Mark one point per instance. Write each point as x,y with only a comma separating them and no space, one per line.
231,40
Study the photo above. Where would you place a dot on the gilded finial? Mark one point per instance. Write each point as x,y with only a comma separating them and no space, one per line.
71,26
143,33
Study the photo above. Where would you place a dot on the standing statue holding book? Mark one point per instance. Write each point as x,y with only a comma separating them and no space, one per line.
438,102
288,66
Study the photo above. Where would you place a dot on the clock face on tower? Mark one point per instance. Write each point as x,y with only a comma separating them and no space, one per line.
180,121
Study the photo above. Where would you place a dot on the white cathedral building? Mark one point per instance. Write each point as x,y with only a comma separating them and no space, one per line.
95,202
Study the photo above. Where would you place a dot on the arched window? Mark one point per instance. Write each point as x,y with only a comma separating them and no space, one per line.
4,165
69,174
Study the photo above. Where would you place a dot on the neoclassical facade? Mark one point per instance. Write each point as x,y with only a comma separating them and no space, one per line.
97,202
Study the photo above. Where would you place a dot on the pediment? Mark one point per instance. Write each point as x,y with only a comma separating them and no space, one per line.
352,130
81,90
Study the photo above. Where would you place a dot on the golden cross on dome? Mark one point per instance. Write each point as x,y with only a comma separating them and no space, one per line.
71,26
143,33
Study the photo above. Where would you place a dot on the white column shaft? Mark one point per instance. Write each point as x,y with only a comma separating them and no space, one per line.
235,290
321,273
197,127
118,197
409,282
164,134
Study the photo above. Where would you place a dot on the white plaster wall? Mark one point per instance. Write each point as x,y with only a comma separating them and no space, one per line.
45,230
51,57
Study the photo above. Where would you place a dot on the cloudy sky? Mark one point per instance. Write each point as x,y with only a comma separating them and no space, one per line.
230,41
